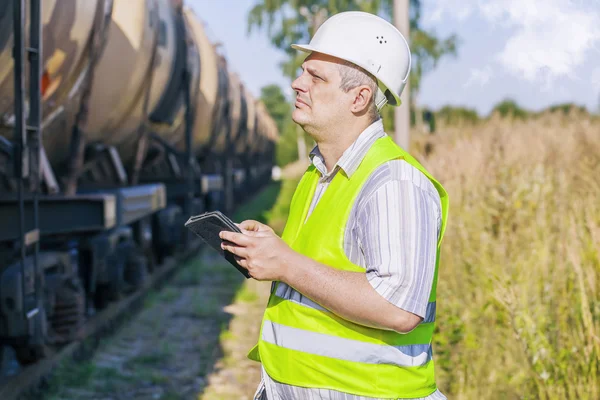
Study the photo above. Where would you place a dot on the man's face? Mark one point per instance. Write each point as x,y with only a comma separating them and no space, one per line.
319,100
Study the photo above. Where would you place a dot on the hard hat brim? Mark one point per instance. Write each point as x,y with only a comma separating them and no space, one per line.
309,49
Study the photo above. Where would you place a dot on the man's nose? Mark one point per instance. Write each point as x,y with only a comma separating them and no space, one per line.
298,84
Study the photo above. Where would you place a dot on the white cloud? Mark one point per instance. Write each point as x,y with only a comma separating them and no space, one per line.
549,38
459,9
479,76
596,79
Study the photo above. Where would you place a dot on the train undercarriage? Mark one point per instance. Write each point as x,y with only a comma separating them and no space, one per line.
80,231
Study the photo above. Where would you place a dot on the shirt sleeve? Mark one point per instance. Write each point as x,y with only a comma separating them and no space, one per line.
399,241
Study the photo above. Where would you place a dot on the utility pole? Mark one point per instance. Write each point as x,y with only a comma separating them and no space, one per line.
402,113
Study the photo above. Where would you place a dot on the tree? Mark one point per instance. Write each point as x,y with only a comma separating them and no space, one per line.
295,21
274,100
452,115
510,108
280,110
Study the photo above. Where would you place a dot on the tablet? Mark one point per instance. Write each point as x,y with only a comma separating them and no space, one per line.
208,226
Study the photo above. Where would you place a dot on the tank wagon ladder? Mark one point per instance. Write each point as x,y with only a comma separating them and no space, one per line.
78,142
27,138
144,127
189,152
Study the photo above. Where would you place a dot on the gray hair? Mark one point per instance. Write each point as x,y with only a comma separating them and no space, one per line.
353,76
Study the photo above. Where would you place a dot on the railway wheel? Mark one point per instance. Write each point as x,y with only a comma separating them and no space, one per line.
113,285
136,269
33,353
9,366
68,314
37,346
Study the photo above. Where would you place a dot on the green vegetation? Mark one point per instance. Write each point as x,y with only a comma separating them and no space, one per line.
509,108
518,313
277,216
281,111
258,207
245,295
159,356
449,115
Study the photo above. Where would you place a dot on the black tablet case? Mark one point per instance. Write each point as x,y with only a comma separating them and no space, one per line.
207,226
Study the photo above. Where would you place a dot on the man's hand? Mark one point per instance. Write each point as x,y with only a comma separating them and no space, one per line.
258,249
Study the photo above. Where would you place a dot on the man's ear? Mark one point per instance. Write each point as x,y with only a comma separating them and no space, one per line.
362,99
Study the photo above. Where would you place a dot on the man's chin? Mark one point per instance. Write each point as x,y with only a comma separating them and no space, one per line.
299,117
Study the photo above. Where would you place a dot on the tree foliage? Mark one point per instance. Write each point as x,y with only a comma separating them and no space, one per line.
295,21
280,110
274,100
451,115
510,108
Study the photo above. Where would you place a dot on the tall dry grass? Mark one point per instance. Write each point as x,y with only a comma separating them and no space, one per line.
518,302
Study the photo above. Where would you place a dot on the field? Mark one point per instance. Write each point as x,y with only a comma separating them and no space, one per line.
518,303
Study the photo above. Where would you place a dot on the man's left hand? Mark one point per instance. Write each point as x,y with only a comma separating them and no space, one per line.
258,249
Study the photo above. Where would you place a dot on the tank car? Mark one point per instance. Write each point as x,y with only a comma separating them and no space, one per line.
125,120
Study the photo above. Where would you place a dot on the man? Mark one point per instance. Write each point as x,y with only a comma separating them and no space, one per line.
352,304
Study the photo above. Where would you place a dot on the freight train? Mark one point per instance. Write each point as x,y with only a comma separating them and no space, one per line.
118,120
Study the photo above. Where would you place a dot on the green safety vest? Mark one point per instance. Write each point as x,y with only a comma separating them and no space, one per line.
303,344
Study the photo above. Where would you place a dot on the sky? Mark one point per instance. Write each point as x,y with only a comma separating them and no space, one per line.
536,52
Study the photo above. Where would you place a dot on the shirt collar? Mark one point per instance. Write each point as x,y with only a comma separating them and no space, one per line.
354,154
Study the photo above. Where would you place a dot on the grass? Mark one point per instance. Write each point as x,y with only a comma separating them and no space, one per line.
246,295
258,207
206,308
518,301
277,216
168,294
159,357
170,395
73,375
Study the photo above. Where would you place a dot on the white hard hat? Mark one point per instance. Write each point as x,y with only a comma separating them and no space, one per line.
370,42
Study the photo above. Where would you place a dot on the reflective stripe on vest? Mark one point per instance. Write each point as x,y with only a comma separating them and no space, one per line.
303,344
336,347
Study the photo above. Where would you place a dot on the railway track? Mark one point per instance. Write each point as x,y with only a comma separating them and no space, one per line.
29,380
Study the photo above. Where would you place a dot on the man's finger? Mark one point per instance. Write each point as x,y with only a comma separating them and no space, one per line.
238,238
241,261
249,225
257,234
235,250
252,225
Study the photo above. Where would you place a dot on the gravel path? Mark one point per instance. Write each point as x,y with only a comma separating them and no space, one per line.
189,342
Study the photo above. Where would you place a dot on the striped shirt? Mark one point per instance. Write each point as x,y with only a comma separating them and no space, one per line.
392,232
